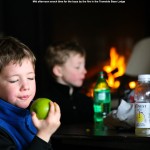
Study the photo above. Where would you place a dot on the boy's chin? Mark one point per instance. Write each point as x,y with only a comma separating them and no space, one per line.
23,105
78,85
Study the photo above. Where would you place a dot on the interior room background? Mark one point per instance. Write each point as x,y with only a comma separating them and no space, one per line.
97,27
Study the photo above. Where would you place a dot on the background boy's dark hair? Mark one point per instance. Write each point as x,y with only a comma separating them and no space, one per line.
58,53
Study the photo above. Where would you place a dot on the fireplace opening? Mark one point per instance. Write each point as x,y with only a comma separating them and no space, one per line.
115,73
121,72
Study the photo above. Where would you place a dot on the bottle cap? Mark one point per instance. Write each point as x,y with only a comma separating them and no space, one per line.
142,77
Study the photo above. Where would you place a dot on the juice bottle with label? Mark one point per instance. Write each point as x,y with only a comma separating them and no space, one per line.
142,105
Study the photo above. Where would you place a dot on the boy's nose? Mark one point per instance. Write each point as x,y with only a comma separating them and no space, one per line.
85,71
25,86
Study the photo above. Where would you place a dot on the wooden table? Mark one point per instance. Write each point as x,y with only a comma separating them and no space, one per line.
97,137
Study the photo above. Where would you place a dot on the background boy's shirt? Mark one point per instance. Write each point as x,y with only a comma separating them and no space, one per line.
75,108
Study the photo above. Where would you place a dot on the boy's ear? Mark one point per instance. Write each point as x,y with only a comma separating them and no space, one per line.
57,70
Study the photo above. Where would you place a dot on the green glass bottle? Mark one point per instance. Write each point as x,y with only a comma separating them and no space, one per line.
102,98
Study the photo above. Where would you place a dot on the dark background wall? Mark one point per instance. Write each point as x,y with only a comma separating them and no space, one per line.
96,26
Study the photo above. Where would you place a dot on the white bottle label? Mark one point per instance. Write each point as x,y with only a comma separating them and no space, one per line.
142,114
102,96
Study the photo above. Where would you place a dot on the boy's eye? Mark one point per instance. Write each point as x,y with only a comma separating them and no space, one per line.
16,80
31,78
77,67
13,81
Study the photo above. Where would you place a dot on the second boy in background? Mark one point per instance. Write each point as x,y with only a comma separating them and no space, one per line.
66,64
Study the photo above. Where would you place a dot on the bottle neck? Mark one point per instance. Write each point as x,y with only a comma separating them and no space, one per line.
101,75
101,82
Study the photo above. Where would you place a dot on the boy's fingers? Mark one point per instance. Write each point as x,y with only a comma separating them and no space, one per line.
34,117
57,108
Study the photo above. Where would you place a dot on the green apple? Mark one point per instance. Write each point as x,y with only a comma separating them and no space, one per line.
41,107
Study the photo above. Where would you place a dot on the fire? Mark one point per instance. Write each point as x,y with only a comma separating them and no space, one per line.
116,68
117,62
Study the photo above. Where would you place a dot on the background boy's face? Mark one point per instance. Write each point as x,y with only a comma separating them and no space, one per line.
17,83
73,71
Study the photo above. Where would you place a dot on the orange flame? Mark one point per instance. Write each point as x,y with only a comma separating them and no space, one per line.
116,62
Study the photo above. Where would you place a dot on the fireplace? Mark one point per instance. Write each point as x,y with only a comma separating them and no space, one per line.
121,72
114,70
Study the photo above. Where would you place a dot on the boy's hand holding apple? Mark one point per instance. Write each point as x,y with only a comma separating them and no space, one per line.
46,117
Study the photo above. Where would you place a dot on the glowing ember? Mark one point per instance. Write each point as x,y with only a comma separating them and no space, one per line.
132,84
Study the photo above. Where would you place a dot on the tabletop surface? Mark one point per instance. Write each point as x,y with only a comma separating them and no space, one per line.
95,136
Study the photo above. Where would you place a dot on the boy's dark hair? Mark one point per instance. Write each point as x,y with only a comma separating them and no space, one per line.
12,50
58,53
